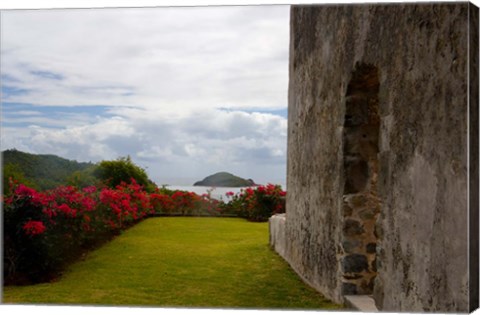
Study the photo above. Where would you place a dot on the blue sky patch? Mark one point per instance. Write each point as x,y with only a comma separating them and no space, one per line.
24,115
47,75
10,90
283,112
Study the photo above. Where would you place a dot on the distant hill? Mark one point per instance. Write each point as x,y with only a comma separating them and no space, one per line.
224,179
45,171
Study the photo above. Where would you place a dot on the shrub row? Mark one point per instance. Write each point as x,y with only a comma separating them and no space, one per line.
44,231
257,204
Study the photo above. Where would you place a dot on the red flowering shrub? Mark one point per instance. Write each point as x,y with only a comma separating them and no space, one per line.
24,232
257,204
162,203
211,206
178,202
33,227
45,230
186,202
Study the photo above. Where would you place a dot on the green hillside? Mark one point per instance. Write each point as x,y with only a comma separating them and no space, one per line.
41,171
224,179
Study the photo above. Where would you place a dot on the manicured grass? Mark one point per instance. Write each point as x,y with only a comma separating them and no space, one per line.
190,262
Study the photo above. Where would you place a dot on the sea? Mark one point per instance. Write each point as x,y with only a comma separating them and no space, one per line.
218,193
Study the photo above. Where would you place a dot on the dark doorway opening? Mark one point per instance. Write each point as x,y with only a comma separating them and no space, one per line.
361,204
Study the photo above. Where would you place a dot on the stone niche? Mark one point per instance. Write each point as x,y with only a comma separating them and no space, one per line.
361,204
382,154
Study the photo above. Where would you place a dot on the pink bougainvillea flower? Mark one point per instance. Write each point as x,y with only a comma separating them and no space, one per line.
90,189
34,227
67,210
23,191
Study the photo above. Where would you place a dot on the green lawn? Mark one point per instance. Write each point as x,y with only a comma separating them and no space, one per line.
191,262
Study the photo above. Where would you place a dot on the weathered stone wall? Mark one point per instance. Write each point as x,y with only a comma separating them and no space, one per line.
473,152
421,54
313,231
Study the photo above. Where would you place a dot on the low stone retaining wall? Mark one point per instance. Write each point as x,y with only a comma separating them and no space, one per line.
276,224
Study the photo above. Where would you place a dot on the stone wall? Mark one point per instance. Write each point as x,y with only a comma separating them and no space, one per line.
474,158
417,174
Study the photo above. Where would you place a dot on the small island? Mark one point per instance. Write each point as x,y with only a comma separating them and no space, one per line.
224,179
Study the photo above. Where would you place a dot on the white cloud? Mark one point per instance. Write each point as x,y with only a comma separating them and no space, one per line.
186,57
179,87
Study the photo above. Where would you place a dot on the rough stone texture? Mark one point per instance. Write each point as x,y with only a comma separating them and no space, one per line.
360,162
474,171
359,230
421,54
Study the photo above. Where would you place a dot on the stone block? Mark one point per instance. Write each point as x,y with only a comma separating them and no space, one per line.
349,288
371,248
354,263
350,246
353,227
367,214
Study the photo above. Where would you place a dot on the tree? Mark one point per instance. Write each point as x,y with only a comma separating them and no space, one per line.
83,178
13,171
112,173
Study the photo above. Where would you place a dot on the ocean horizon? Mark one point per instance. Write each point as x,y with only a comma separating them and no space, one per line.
189,181
218,193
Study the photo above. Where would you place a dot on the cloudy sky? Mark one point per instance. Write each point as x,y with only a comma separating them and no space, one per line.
185,92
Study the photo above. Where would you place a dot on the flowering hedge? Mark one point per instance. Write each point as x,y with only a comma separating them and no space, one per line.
43,231
183,203
257,204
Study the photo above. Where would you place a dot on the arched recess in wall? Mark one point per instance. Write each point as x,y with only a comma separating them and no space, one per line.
361,204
